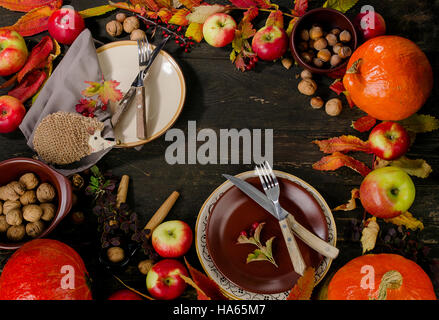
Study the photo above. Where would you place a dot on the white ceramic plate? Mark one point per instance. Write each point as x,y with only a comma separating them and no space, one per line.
230,289
165,90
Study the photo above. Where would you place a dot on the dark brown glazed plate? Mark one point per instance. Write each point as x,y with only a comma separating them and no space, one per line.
234,212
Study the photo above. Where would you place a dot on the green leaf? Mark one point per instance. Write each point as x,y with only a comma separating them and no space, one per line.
256,255
95,171
420,123
244,240
340,5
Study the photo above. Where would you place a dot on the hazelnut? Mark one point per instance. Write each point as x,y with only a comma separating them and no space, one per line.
18,187
115,254
78,217
29,197
4,225
11,205
318,62
345,36
345,52
333,107
16,233
320,44
304,35
130,24
317,102
307,57
315,33
331,39
137,35
114,28
120,17
144,266
307,87
335,60
324,55
303,46
14,217
45,192
34,229
311,43
32,212
335,31
306,74
29,180
49,211
337,48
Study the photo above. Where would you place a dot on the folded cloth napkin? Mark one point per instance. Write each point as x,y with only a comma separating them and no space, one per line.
62,92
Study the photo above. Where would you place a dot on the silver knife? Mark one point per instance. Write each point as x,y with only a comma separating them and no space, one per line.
304,234
138,82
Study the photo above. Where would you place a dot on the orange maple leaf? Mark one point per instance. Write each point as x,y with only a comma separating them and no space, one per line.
304,286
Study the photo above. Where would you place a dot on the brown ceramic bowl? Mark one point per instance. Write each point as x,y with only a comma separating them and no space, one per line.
327,19
12,169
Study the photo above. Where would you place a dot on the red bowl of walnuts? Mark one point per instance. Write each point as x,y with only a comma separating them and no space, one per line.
34,198
322,40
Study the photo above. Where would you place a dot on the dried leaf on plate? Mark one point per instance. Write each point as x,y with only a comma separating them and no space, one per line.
369,234
201,13
107,91
304,286
338,160
344,143
364,124
351,204
407,220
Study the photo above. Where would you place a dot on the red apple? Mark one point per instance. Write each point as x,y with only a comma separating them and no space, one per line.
125,294
172,239
65,25
370,24
219,29
270,43
389,140
13,52
387,192
12,113
163,281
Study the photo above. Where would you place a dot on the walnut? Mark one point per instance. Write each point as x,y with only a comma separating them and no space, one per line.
306,74
130,24
115,254
8,193
29,197
32,212
144,266
30,180
18,187
45,192
114,28
1,207
34,229
4,226
16,233
307,86
11,205
333,107
137,35
14,217
49,211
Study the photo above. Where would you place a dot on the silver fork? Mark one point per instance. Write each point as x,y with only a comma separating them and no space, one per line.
272,190
144,56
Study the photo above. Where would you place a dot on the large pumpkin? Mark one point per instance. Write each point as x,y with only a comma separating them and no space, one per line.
389,77
381,277
44,269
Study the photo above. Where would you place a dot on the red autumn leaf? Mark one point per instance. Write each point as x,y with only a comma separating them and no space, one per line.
86,105
276,18
291,26
338,87
126,6
36,20
338,160
344,143
263,4
210,290
29,85
191,3
304,286
179,17
107,91
250,14
300,6
24,5
150,4
364,124
165,14
37,56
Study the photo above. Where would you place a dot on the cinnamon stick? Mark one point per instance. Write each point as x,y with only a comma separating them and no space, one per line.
161,213
122,191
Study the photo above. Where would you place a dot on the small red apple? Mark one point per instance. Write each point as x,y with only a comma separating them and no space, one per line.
12,113
270,43
389,140
387,192
13,52
163,281
125,294
172,239
65,25
219,29
370,24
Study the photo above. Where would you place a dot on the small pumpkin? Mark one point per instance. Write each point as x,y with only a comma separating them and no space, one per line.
389,77
44,269
381,277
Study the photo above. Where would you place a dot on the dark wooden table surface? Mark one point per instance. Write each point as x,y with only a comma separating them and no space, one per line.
219,96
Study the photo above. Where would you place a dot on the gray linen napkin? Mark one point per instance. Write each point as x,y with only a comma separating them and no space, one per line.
63,91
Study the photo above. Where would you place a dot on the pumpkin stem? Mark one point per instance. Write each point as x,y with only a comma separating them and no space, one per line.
354,67
391,280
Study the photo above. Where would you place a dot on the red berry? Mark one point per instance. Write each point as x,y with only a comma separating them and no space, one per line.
91,115
186,50
255,225
179,29
243,233
176,41
104,108
85,114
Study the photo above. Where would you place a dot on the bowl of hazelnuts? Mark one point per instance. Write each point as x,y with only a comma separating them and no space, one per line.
322,40
34,198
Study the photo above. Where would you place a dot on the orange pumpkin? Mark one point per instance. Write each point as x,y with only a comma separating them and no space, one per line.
381,277
389,77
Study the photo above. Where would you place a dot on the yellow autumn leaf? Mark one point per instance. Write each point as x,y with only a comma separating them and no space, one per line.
370,234
407,220
96,11
195,31
351,204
